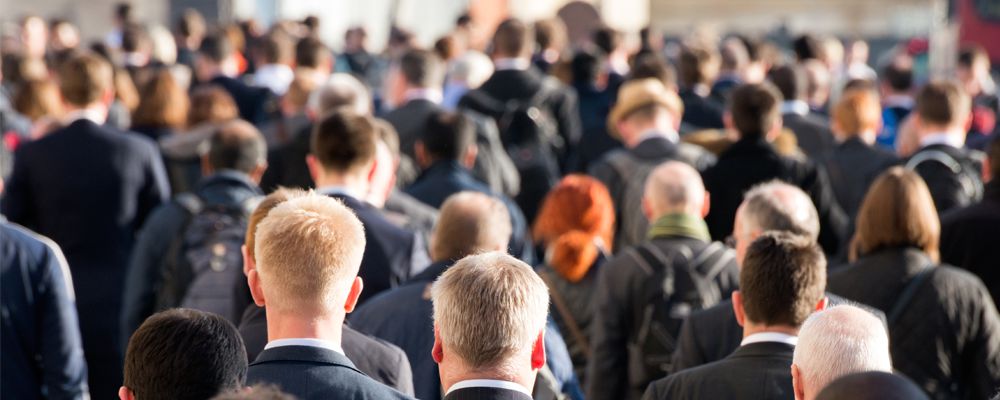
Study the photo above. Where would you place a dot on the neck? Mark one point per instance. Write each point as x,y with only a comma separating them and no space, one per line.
282,325
655,129
452,374
752,328
355,183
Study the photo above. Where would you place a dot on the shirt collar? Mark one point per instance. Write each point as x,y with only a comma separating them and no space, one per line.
942,138
95,115
672,136
898,100
770,337
795,107
429,94
489,383
519,64
309,342
338,191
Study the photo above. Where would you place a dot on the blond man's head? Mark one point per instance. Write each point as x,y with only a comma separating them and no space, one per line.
489,312
308,251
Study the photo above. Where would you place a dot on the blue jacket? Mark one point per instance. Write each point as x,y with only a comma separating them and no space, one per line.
42,352
313,373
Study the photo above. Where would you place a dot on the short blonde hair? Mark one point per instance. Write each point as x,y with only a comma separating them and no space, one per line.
490,308
308,251
470,223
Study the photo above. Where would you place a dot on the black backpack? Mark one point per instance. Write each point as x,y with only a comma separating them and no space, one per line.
687,283
205,261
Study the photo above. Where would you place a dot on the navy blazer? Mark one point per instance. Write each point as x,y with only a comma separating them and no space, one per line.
90,188
486,393
39,321
256,104
314,373
757,371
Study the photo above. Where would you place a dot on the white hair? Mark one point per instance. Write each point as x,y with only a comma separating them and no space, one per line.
839,341
340,91
473,68
675,186
778,206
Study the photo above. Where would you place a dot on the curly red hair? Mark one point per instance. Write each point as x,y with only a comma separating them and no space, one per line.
577,211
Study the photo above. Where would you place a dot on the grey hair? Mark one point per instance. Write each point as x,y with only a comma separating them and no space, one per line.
839,341
675,186
778,206
341,91
473,68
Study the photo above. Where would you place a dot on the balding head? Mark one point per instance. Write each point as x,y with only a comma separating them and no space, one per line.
774,206
674,187
341,92
470,223
872,386
237,145
839,341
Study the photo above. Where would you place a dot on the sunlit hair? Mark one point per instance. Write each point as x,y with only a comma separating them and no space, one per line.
839,341
574,213
857,111
470,223
266,205
897,211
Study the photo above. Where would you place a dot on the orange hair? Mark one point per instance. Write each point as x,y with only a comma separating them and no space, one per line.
576,211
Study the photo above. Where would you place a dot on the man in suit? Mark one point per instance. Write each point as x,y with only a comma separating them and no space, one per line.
308,251
874,385
755,115
90,188
966,233
415,88
183,353
953,173
39,320
489,321
470,222
838,341
698,68
342,162
446,151
378,359
781,283
811,130
896,91
216,65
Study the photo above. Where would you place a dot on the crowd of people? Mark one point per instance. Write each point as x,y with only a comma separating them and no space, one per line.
236,211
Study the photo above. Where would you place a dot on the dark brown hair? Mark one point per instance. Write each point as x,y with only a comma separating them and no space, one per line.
782,279
697,65
211,104
344,141
163,103
755,109
513,38
942,102
897,211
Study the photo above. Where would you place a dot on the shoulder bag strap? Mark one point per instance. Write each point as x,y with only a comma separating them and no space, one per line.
567,317
907,295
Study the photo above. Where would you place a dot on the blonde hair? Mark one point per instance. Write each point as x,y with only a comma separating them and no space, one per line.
280,195
857,111
308,251
489,309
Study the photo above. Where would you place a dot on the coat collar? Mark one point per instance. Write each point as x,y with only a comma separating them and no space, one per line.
306,354
749,146
432,272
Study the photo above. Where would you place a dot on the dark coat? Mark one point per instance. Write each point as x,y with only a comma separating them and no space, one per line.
968,238
950,188
812,132
947,339
486,393
852,167
313,373
90,188
594,105
701,112
286,164
750,162
624,287
757,371
256,104
42,352
380,360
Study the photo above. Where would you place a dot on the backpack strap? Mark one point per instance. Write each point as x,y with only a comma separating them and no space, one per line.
909,291
936,156
704,263
567,317
190,202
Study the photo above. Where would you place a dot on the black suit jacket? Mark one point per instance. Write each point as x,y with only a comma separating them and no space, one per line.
486,393
286,165
750,162
852,166
313,373
757,371
946,185
812,131
256,104
701,112
381,360
968,238
90,188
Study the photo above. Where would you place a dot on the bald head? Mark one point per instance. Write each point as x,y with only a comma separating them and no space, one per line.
237,145
777,206
470,223
674,187
838,341
872,386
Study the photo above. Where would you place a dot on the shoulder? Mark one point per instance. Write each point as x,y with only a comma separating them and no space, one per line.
19,240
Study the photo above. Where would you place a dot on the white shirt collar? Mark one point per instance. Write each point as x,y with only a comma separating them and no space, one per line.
519,64
310,342
898,100
770,337
95,115
429,94
338,190
942,138
672,136
490,383
795,107
276,77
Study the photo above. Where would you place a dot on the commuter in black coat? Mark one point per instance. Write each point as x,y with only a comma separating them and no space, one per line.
594,104
216,65
342,164
752,160
944,329
308,254
953,173
697,68
967,234
781,283
415,88
812,130
89,188
39,320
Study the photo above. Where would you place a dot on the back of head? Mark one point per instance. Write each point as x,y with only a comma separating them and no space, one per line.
513,38
898,74
575,216
897,211
697,65
858,111
755,109
839,341
237,145
489,310
448,136
265,206
652,65
341,92
470,223
791,81
184,354
422,68
674,187
607,39
942,103
472,68
806,47
875,385
782,278
216,48
310,52
163,103
85,78
191,24
733,54
344,141
211,104
135,39
308,252
778,206
586,66
550,33
277,48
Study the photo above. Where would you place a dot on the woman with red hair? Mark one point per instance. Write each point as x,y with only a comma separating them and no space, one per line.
574,230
